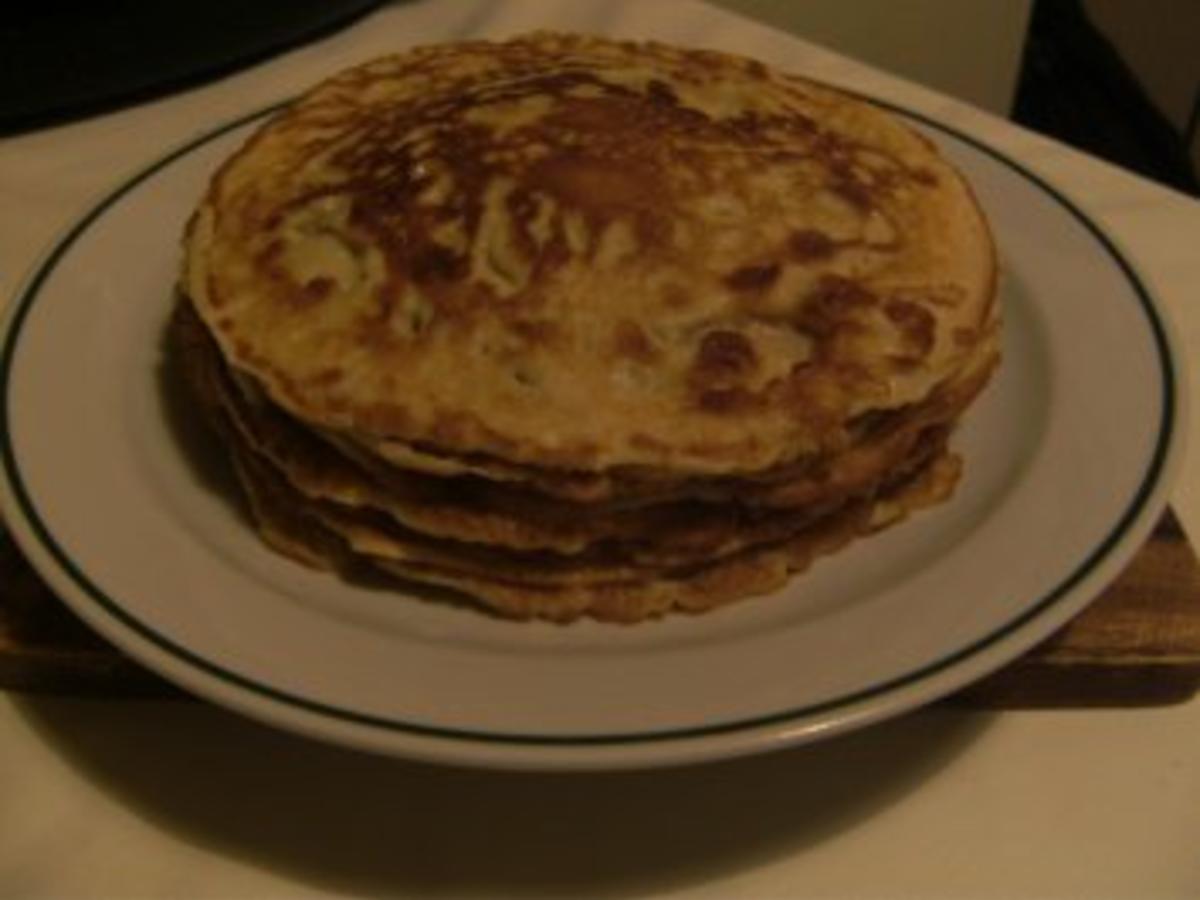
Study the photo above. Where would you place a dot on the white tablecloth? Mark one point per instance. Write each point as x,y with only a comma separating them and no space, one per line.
105,798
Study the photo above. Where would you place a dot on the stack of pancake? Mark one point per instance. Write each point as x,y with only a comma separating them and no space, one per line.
579,327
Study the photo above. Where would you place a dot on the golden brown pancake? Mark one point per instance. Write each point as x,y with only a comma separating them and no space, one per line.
583,254
578,326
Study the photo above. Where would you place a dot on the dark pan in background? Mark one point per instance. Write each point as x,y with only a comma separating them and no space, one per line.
67,59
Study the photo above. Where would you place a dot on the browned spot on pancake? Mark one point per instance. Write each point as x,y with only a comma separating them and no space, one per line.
904,363
725,400
326,377
809,244
831,304
675,297
873,422
722,360
923,176
723,356
270,253
854,192
660,93
535,332
756,68
594,186
630,341
318,288
915,322
753,278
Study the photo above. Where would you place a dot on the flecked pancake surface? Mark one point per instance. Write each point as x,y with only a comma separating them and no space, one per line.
582,254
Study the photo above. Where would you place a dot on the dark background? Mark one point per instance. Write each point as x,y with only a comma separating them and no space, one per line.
63,59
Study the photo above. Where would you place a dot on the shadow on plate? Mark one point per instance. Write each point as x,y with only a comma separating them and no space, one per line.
354,823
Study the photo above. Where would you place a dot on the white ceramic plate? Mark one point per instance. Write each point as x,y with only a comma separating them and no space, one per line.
114,498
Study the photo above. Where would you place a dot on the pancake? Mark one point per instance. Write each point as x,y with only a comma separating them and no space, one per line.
467,246
578,327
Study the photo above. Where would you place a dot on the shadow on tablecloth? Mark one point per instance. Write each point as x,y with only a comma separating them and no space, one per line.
349,822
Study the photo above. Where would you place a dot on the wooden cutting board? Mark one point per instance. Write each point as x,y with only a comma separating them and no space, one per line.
1138,644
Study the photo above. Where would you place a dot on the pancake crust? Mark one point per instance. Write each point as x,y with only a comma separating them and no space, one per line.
577,254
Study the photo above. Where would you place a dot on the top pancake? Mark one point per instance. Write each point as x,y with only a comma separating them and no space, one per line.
581,254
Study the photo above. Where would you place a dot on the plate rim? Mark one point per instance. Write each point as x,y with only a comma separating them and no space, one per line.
107,615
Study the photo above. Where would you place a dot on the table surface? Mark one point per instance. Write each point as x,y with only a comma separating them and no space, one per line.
154,798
